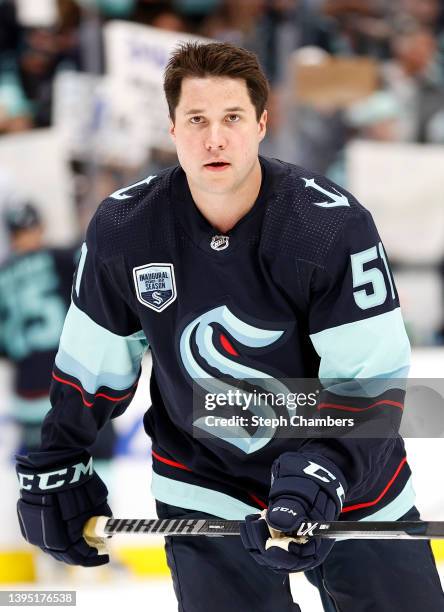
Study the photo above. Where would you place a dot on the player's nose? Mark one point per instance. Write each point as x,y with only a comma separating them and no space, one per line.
215,138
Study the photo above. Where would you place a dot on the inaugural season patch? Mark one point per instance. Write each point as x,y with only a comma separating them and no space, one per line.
155,285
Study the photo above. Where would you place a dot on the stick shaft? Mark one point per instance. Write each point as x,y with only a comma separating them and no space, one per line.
214,527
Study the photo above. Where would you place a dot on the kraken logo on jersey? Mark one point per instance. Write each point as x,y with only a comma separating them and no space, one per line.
201,347
219,243
155,285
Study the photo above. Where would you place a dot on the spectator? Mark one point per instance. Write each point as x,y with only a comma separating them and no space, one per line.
195,11
9,29
425,12
374,118
414,79
162,16
35,287
35,292
15,109
113,9
9,198
169,21
237,23
351,27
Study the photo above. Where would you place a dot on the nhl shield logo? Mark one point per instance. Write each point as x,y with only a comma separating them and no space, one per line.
155,285
219,243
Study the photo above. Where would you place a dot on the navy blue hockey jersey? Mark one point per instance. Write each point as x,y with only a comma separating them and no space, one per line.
35,293
300,287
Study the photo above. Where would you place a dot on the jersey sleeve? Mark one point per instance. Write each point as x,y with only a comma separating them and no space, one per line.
357,330
98,362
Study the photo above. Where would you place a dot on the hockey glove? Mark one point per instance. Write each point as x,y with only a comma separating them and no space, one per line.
54,506
305,488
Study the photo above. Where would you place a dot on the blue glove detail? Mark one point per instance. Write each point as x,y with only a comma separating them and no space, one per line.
305,488
54,507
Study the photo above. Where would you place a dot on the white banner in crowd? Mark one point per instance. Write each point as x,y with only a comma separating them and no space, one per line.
34,162
401,184
123,114
136,56
74,96
105,127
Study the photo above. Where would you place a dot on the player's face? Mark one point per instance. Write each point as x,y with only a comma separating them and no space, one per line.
216,120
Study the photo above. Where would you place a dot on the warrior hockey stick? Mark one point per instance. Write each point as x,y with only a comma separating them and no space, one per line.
103,526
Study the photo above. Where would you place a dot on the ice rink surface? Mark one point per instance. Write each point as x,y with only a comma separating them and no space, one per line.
158,595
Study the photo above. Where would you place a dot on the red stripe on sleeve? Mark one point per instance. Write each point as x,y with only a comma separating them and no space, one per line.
169,462
352,409
381,495
80,390
258,501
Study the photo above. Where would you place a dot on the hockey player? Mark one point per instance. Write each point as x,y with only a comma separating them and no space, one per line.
35,290
232,265
35,293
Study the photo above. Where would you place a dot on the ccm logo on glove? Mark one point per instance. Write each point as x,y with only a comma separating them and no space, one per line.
56,479
303,493
317,471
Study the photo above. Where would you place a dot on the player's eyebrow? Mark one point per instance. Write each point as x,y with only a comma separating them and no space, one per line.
199,111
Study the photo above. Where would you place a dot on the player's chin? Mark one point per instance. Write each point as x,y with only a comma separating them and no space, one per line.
218,184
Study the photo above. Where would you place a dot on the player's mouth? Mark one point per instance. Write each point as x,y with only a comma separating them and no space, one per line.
217,166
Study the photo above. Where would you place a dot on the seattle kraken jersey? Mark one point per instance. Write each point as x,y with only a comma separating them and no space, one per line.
300,287
35,290
35,293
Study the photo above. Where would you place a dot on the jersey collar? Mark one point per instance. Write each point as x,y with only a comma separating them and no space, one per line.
246,231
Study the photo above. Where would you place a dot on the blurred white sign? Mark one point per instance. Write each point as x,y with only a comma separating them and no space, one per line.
136,57
401,184
73,109
35,163
96,121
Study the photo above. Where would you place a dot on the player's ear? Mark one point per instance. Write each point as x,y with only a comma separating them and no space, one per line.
262,125
172,130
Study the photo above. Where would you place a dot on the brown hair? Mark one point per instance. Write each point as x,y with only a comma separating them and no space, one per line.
214,59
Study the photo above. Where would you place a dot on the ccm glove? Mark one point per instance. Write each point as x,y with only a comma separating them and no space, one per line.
305,488
54,506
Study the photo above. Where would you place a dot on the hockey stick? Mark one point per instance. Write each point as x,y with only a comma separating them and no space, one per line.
103,526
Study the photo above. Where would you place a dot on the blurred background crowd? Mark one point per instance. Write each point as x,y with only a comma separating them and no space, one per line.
392,51
404,39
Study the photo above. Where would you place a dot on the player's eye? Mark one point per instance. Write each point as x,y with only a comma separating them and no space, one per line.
196,119
233,118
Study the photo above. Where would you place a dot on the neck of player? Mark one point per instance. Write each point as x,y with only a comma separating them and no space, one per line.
224,210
